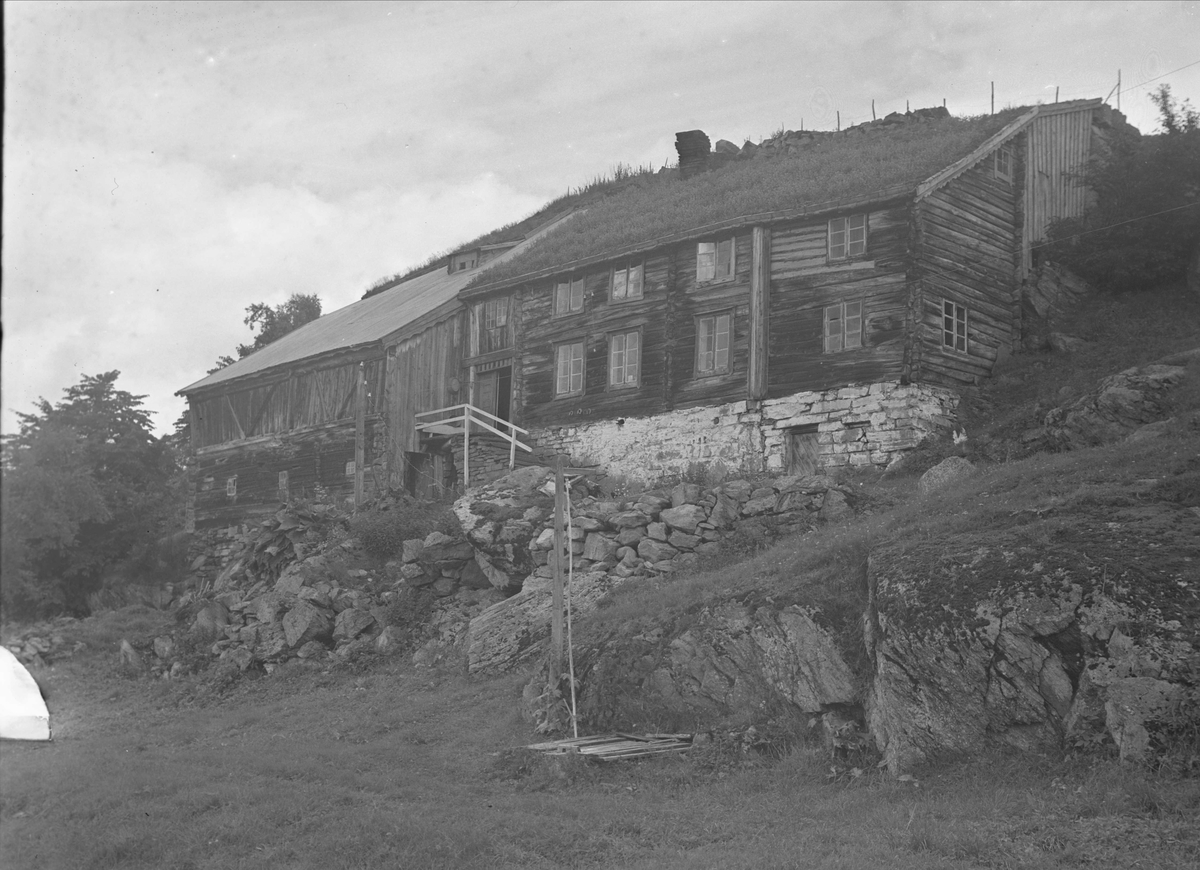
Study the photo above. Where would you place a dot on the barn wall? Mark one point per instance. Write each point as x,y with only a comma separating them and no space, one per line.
419,372
241,482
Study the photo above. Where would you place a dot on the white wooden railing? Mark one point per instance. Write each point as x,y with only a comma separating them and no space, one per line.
459,420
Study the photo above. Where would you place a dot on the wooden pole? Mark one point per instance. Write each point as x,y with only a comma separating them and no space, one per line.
1118,90
1056,93
872,110
360,433
760,290
556,605
839,120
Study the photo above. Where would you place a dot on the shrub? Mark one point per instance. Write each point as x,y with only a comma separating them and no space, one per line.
383,530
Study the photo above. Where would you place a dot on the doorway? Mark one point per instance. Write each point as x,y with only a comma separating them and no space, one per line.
493,392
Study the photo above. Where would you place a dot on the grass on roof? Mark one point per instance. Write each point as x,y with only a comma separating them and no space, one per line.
654,206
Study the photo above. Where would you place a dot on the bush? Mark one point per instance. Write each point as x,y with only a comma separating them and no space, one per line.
383,530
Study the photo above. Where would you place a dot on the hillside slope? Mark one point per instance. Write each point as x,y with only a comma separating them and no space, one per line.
1050,598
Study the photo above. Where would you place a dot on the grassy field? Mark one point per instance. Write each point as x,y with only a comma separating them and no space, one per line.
387,765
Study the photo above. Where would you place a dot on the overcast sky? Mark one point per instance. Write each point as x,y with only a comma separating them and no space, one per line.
168,164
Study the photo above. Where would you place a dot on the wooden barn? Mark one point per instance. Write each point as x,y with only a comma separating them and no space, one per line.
333,405
812,301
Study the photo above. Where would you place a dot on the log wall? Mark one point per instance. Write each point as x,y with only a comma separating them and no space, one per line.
968,253
804,281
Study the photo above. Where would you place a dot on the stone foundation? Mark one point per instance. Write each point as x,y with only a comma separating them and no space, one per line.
853,426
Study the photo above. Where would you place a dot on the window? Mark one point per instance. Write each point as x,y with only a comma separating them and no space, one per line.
954,326
627,282
568,366
495,313
712,344
491,319
231,486
843,326
1002,168
848,237
624,359
714,261
568,296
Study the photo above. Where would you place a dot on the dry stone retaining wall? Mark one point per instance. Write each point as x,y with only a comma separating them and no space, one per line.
862,425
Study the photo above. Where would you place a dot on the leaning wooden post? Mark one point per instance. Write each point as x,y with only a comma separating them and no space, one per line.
556,606
360,433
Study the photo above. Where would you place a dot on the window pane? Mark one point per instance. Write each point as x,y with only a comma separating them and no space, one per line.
635,282
704,344
620,284
616,360
577,294
853,325
721,357
856,244
706,261
837,238
562,294
725,259
632,357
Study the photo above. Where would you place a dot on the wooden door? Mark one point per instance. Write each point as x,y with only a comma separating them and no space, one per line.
802,451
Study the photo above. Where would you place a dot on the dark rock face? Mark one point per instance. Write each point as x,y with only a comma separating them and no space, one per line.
1032,644
732,658
1121,404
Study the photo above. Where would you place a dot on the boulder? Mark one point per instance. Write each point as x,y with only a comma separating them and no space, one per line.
1119,405
945,473
350,623
473,576
685,493
516,629
628,519
834,507
211,619
684,518
656,551
599,548
304,622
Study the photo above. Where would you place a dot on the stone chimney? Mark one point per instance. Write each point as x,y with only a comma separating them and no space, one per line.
693,147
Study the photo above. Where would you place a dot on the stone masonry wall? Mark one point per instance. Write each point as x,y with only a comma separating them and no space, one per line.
855,426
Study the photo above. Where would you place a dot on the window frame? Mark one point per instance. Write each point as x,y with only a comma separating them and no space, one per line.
715,371
950,312
627,270
846,230
1003,174
625,334
842,319
570,283
558,349
716,244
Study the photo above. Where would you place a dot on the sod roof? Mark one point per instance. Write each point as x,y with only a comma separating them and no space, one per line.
814,170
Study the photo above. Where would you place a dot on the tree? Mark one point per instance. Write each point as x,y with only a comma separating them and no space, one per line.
1145,226
86,487
275,323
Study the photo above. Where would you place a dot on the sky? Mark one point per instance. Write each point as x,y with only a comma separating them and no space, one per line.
168,164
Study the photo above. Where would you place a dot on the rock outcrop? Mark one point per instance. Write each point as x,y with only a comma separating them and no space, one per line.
652,533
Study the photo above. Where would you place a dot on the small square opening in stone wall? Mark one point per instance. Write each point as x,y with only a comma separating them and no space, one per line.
801,450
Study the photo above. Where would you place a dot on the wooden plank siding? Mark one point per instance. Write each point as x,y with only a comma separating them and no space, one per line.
1057,150
284,403
316,457
419,370
969,233
804,281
